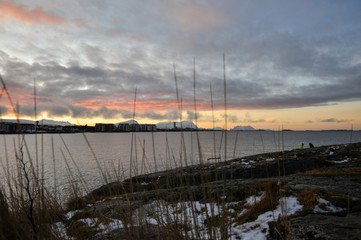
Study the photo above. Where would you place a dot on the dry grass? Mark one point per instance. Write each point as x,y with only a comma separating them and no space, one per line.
332,172
308,199
267,203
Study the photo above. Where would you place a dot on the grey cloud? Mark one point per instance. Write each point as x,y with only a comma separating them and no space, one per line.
26,110
52,110
248,118
191,115
273,60
334,120
233,118
170,115
94,55
82,112
107,113
62,84
57,111
3,109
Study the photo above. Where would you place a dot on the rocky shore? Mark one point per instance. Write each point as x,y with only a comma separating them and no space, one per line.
323,183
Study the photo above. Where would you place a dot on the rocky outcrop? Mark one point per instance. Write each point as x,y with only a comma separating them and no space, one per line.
261,166
325,227
331,175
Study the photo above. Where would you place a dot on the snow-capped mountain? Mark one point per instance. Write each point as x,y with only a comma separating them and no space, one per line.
128,122
242,128
216,129
55,123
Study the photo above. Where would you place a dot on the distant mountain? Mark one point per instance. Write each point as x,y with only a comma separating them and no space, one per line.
242,128
216,129
170,125
55,123
128,122
41,122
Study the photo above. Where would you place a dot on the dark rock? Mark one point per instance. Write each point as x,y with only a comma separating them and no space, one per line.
286,163
316,169
324,227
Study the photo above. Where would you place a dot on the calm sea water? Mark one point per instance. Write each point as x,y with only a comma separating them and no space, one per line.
116,155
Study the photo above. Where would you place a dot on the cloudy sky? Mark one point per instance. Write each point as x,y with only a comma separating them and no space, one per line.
291,64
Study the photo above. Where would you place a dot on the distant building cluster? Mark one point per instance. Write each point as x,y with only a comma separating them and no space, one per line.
18,127
38,127
125,127
7,127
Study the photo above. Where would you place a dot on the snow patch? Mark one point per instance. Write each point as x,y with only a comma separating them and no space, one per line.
91,222
71,214
270,159
252,200
342,161
130,122
259,229
60,228
327,207
195,214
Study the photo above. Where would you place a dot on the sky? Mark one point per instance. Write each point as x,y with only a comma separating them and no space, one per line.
288,64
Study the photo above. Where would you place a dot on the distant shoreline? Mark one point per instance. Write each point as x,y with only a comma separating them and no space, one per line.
176,130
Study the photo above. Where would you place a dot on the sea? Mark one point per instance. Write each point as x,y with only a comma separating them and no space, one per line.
65,160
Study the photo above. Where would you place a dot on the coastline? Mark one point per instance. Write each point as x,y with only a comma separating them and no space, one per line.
319,173
264,165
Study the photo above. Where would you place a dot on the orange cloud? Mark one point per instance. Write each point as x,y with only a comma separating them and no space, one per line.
11,11
154,105
128,105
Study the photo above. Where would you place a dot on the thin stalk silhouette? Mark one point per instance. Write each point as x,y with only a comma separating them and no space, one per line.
132,141
195,112
213,121
180,112
235,144
82,180
225,107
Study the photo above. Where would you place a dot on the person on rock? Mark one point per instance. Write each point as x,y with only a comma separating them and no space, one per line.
301,147
311,145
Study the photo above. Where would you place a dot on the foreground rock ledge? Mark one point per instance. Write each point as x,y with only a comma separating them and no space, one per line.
333,172
278,165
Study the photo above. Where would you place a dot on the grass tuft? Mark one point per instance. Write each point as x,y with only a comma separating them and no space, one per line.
308,199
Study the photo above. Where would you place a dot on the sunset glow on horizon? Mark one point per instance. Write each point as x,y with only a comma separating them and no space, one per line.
288,64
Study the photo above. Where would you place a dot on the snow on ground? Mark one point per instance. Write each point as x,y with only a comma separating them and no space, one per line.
252,200
71,214
115,224
270,159
342,161
60,228
244,162
195,214
258,229
325,206
91,222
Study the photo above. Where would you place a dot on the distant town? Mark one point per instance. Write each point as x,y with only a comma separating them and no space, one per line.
50,126
9,126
